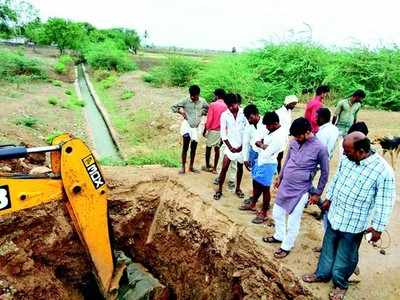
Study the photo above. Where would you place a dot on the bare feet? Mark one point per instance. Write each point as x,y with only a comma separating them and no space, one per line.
182,171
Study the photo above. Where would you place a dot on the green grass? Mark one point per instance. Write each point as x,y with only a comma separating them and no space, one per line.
119,121
163,157
27,121
73,102
127,94
50,137
68,92
109,81
266,76
16,67
56,83
174,71
53,100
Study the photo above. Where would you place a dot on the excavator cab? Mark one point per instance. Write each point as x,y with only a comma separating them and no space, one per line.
76,179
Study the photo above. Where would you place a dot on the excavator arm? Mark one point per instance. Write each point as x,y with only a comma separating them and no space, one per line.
77,180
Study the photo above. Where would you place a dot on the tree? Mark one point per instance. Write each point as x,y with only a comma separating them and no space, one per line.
64,34
35,32
8,18
132,40
15,15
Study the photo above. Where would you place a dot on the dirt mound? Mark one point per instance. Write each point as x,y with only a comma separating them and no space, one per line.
196,251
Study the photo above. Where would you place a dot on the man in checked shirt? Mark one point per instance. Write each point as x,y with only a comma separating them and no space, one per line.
360,199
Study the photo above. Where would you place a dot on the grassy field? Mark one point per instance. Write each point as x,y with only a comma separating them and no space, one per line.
35,110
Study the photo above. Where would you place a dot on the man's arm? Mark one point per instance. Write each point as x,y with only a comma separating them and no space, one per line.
180,108
384,201
338,110
356,114
210,118
204,108
246,144
323,160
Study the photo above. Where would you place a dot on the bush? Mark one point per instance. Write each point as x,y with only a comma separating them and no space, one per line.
68,92
14,65
266,76
100,75
107,56
27,121
127,94
73,102
52,136
175,71
108,82
53,100
57,83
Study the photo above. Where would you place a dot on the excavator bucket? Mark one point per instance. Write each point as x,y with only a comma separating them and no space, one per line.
86,190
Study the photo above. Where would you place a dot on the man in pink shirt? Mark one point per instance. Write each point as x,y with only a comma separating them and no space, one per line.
314,104
212,129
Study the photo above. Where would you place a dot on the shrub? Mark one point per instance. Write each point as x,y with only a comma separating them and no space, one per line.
68,92
100,75
73,102
266,76
107,56
108,82
52,136
127,94
57,83
175,71
14,65
53,100
27,121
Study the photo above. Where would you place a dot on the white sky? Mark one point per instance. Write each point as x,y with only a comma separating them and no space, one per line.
221,24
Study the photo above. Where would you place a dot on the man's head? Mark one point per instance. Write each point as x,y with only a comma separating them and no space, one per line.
194,92
271,121
251,113
323,116
358,96
239,98
300,130
290,102
231,102
322,91
356,146
219,94
359,126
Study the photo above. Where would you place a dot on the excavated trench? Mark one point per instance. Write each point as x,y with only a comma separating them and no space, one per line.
195,251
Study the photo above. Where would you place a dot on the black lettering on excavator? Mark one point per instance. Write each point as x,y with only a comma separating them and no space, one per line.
5,201
93,171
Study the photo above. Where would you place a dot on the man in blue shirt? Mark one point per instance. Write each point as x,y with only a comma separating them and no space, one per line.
360,199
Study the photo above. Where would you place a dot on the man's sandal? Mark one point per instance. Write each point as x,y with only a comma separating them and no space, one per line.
247,206
337,294
312,278
206,169
217,195
271,240
280,253
248,200
240,194
194,171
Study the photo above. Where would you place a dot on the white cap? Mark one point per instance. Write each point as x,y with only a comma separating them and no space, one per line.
291,99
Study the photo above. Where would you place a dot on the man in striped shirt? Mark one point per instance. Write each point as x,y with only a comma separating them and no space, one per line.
360,199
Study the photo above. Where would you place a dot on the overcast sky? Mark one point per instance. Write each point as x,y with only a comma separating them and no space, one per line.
222,24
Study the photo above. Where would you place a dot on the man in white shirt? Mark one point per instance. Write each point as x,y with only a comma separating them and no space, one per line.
269,145
254,127
328,133
285,119
233,122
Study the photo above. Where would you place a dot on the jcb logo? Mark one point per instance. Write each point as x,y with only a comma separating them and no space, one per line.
93,171
5,201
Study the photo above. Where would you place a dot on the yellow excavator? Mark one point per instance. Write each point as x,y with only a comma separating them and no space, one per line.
77,180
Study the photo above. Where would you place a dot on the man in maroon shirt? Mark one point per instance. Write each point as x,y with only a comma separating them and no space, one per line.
212,129
314,104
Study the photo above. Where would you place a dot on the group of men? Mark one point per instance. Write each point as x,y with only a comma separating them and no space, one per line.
360,196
